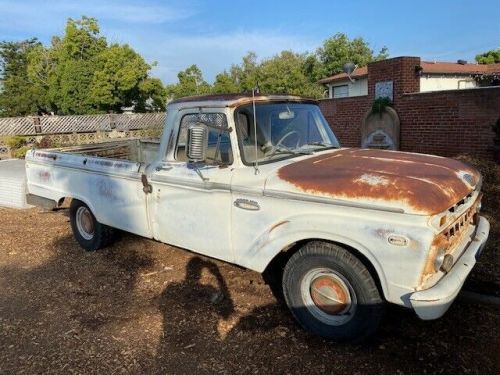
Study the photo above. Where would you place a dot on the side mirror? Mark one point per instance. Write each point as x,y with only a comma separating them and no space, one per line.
197,142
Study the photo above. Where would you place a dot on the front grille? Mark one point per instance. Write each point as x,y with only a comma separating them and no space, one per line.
454,232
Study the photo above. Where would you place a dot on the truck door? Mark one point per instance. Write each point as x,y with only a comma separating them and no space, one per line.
191,206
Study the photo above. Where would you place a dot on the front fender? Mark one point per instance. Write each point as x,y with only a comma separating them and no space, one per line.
287,232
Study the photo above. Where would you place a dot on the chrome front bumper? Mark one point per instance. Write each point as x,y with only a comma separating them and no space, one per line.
432,303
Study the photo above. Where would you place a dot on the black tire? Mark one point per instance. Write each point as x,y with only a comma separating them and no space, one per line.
96,236
338,276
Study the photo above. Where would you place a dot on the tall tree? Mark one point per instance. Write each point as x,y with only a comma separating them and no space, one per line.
191,82
78,73
116,82
339,49
286,74
18,97
246,75
225,83
489,57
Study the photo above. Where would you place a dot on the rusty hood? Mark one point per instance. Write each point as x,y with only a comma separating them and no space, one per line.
413,183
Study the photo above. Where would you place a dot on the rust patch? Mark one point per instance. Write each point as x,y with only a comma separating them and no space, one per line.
426,184
449,238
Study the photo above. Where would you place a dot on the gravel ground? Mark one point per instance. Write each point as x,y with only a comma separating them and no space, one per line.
144,307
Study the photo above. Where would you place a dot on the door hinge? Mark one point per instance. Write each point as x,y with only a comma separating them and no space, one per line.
146,186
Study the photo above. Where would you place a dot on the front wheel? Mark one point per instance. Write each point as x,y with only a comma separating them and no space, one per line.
88,232
331,293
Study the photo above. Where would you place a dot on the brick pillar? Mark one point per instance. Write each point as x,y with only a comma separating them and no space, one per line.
399,70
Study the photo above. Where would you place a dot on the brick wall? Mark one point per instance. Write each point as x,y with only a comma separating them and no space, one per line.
450,122
345,116
443,123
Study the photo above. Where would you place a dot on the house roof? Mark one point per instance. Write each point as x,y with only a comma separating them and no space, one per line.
429,67
357,73
441,67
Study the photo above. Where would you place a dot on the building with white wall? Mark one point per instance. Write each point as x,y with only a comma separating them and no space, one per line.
434,76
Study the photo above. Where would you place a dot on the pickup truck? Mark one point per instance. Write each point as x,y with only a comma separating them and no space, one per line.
261,181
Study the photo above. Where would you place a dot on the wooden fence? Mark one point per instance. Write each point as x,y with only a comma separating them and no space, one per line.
80,129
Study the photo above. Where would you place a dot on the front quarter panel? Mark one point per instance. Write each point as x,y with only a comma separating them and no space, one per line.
258,236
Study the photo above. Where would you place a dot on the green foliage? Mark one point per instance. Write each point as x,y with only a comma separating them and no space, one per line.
489,57
286,74
339,49
191,82
20,153
18,97
118,74
152,96
18,145
246,75
15,141
225,84
380,104
79,73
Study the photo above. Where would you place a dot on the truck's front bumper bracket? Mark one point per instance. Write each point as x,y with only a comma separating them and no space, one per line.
432,303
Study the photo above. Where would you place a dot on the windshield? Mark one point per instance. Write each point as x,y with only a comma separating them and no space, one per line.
284,130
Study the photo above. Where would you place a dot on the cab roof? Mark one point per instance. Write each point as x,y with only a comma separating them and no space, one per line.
232,100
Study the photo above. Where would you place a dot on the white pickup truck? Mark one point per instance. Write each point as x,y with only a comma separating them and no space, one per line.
263,183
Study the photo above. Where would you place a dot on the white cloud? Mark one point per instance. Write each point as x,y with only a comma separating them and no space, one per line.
40,17
211,52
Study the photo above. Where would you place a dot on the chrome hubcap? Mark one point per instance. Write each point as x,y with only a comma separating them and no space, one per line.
328,296
85,223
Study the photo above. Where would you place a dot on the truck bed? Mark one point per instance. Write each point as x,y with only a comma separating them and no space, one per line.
106,176
139,150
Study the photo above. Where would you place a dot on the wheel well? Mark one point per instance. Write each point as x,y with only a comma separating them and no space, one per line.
274,271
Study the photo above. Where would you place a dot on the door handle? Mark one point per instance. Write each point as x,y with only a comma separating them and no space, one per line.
163,168
247,204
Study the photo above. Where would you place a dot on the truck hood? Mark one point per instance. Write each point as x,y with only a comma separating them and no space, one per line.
413,183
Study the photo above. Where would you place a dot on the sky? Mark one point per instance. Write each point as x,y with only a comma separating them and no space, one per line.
216,34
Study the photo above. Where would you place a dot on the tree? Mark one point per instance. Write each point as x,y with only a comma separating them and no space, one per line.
286,74
18,97
191,82
152,96
79,73
339,49
225,83
118,74
74,58
246,75
489,57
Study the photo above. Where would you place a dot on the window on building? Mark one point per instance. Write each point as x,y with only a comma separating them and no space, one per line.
341,91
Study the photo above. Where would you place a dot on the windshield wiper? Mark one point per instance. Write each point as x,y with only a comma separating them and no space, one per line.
281,151
322,144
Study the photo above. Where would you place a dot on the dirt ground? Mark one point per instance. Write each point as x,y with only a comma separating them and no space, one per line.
144,307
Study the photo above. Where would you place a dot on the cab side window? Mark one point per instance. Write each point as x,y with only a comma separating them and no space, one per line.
219,144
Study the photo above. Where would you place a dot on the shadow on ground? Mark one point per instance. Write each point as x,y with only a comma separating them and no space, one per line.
143,307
